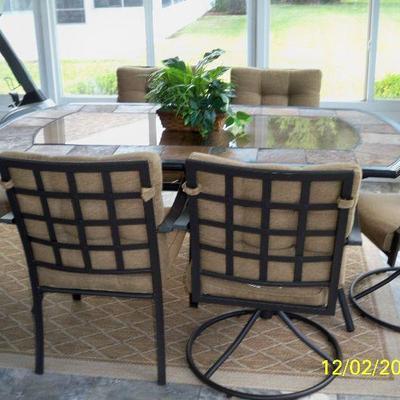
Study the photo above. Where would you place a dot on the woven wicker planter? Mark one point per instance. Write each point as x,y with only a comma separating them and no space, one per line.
171,122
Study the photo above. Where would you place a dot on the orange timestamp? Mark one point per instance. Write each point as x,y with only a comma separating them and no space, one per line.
364,367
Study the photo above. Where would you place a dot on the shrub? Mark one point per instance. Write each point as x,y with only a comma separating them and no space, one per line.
230,6
305,1
239,6
388,87
105,84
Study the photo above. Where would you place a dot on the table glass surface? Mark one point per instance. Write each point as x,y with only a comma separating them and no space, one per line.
319,131
318,134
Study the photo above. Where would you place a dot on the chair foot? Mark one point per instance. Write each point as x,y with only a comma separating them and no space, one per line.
76,297
206,377
344,305
192,303
355,297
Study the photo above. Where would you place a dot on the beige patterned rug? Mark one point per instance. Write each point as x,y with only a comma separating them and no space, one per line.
111,337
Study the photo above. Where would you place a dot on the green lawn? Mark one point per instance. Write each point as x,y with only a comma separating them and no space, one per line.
331,37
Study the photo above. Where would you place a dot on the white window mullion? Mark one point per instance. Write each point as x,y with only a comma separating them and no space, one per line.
50,69
263,33
251,7
373,28
151,8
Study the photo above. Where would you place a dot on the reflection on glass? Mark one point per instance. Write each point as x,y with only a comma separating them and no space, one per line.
119,128
324,133
197,26
328,35
387,85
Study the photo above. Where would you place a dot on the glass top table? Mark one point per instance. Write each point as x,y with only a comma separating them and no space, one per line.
275,134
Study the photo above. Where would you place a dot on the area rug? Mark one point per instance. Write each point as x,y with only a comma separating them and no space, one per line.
114,338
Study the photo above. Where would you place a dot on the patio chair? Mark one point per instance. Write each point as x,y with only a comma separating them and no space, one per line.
277,87
93,226
380,222
269,238
133,83
132,88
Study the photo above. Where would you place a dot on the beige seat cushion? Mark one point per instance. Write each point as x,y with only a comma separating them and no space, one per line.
169,246
133,83
313,296
277,87
379,217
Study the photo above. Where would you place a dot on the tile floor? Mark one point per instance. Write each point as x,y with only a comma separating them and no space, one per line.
20,384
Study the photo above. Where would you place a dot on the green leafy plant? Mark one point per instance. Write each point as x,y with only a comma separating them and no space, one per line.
197,94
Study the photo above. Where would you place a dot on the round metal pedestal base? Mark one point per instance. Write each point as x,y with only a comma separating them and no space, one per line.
286,318
355,297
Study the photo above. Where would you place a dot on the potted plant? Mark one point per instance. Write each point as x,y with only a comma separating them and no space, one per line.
194,99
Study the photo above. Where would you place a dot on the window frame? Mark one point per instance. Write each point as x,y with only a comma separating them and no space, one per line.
258,32
122,5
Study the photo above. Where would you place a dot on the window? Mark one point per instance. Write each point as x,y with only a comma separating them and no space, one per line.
167,3
90,53
70,11
387,84
196,26
118,3
331,36
17,5
18,25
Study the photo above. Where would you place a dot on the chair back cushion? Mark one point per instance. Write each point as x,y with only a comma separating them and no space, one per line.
270,223
277,87
133,83
86,214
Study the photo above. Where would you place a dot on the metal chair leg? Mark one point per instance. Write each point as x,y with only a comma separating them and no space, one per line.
354,297
160,340
206,377
344,305
39,334
394,249
192,303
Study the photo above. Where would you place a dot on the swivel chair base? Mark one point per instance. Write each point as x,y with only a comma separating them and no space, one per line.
395,272
255,315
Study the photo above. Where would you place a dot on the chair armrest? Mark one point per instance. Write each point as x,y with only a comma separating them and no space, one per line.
354,238
175,212
7,218
182,222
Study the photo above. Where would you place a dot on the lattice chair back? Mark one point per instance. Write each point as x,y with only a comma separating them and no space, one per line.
87,216
268,236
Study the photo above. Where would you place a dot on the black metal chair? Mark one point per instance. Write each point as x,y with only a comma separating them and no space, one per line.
270,238
380,222
86,222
